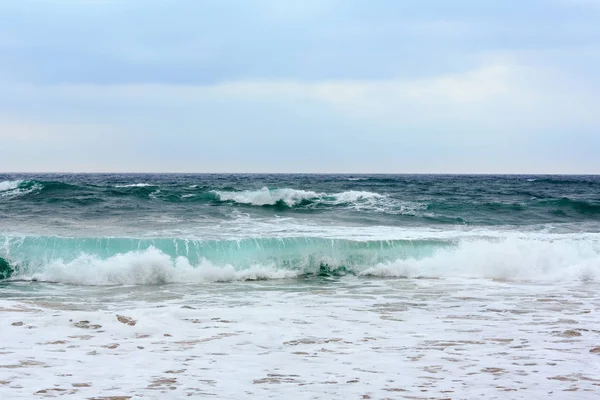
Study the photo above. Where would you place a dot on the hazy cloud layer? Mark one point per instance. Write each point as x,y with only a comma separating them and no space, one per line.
314,86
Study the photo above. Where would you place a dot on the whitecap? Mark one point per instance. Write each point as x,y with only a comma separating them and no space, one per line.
9,185
134,185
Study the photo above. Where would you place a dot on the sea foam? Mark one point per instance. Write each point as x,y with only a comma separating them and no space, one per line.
9,185
508,259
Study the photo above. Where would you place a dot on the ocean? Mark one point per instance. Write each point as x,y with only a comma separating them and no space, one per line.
306,286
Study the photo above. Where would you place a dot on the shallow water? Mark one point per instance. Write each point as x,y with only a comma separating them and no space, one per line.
329,338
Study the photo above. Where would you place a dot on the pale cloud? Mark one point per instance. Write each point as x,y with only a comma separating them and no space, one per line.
585,3
315,86
295,10
42,133
545,94
495,92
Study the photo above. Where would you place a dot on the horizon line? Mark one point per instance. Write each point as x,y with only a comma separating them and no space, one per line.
308,173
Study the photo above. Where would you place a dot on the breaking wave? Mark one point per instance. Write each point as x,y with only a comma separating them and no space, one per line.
118,261
294,198
266,196
16,188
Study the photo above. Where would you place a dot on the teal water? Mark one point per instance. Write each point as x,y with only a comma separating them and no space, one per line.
307,224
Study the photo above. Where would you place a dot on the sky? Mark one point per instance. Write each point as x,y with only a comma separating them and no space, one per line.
313,86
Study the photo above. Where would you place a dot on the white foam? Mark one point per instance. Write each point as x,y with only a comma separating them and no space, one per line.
245,226
459,339
147,267
355,195
135,185
509,259
369,201
9,185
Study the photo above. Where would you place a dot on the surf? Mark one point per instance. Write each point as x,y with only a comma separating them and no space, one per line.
118,261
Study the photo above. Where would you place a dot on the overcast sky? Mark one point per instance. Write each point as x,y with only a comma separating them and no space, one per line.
462,86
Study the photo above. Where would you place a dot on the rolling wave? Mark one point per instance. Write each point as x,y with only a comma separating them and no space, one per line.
293,198
52,192
115,261
266,196
16,188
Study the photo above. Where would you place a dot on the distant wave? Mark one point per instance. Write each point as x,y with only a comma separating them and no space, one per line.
294,198
581,206
527,203
266,196
562,180
552,206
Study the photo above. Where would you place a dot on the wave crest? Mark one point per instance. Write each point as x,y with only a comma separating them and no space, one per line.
17,188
